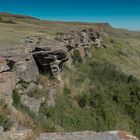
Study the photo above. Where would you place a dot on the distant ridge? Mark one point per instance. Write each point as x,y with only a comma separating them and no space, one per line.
6,14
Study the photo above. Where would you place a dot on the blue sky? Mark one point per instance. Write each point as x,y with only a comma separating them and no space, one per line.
119,13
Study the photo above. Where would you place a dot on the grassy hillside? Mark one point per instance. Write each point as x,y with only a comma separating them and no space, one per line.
96,96
103,93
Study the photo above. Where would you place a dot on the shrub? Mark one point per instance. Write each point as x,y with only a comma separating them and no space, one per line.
16,98
66,115
5,122
112,41
112,98
76,57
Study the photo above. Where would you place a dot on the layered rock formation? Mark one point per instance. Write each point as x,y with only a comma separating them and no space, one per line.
20,69
25,64
82,40
50,61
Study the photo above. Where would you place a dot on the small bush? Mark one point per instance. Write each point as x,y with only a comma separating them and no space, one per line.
76,57
5,122
66,115
16,98
112,41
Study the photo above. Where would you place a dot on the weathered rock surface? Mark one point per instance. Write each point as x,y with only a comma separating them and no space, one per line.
22,64
112,135
17,135
1,129
25,63
50,61
7,85
32,87
30,42
83,41
3,65
32,103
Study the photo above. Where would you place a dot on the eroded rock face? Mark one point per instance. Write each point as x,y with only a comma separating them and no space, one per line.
25,63
112,135
50,61
82,40
22,64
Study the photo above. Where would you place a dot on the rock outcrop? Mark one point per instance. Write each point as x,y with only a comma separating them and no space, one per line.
50,61
20,66
20,69
16,135
112,135
83,41
25,63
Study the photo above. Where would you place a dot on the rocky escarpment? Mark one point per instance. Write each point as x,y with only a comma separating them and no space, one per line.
21,68
50,61
83,41
25,64
19,73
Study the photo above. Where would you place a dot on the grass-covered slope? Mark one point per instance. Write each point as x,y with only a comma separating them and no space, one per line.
103,93
96,96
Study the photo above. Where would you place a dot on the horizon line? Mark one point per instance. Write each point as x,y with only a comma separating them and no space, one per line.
68,21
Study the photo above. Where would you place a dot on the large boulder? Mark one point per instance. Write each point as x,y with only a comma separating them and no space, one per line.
21,62
26,70
112,135
7,83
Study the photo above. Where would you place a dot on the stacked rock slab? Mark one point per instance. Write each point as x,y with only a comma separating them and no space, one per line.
25,63
18,67
50,61
81,40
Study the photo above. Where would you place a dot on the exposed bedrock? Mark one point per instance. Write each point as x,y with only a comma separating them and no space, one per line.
83,41
24,65
50,61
